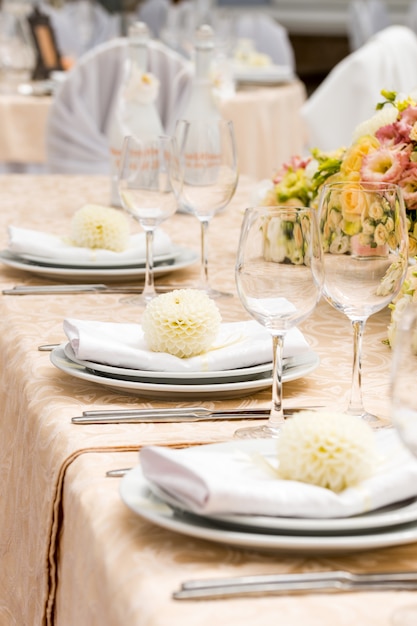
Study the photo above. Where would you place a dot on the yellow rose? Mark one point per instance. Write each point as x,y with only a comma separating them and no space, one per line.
353,203
352,162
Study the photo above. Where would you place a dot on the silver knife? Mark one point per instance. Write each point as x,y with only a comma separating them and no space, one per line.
195,414
23,290
137,416
295,583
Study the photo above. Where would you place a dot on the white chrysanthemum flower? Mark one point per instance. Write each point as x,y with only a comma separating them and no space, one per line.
385,116
183,322
94,226
329,450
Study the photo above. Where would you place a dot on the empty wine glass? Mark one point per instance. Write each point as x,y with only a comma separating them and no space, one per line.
146,192
404,408
279,278
365,244
209,177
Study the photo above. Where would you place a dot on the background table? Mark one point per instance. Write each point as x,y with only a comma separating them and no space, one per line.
70,550
268,125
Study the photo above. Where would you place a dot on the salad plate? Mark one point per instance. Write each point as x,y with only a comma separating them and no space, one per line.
184,257
173,389
137,494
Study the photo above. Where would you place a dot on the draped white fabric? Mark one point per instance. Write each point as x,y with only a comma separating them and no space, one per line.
80,116
349,94
365,18
81,25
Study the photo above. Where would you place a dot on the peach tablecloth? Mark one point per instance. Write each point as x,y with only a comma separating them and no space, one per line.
22,128
267,120
70,551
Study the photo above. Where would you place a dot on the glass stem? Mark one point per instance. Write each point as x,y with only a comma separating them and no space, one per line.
149,289
355,406
204,279
277,414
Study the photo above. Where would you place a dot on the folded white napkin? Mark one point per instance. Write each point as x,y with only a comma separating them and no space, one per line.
227,478
238,344
52,248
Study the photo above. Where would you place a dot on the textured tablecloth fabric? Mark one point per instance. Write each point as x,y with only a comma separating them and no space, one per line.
40,445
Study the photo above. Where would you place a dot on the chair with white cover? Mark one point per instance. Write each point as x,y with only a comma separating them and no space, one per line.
350,92
81,25
80,116
365,18
154,14
268,35
411,15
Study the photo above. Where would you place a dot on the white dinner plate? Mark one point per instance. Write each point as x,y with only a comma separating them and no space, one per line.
225,376
267,74
109,264
392,515
138,496
166,391
184,258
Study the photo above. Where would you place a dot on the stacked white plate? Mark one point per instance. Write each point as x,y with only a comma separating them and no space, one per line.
393,525
180,385
178,258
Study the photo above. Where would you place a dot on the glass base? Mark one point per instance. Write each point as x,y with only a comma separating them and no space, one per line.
139,300
214,293
257,432
370,418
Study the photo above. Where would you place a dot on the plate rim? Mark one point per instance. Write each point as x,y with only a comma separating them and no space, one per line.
186,257
154,510
125,371
374,519
59,359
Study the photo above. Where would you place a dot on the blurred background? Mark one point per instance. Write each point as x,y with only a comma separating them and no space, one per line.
322,32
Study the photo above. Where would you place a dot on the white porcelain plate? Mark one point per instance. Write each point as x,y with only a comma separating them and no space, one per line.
393,515
225,376
139,497
183,258
268,74
173,390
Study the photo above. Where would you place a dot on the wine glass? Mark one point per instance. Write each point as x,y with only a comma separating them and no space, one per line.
279,278
146,192
209,177
365,244
404,408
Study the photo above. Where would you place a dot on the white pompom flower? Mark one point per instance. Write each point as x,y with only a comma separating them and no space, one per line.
334,451
183,322
95,226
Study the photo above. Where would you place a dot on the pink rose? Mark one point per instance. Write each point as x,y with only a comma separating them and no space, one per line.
385,165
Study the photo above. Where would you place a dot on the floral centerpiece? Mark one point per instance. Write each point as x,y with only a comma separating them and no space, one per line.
384,149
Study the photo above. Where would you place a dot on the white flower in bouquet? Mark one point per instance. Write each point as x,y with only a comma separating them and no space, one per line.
330,450
95,226
183,322
407,294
